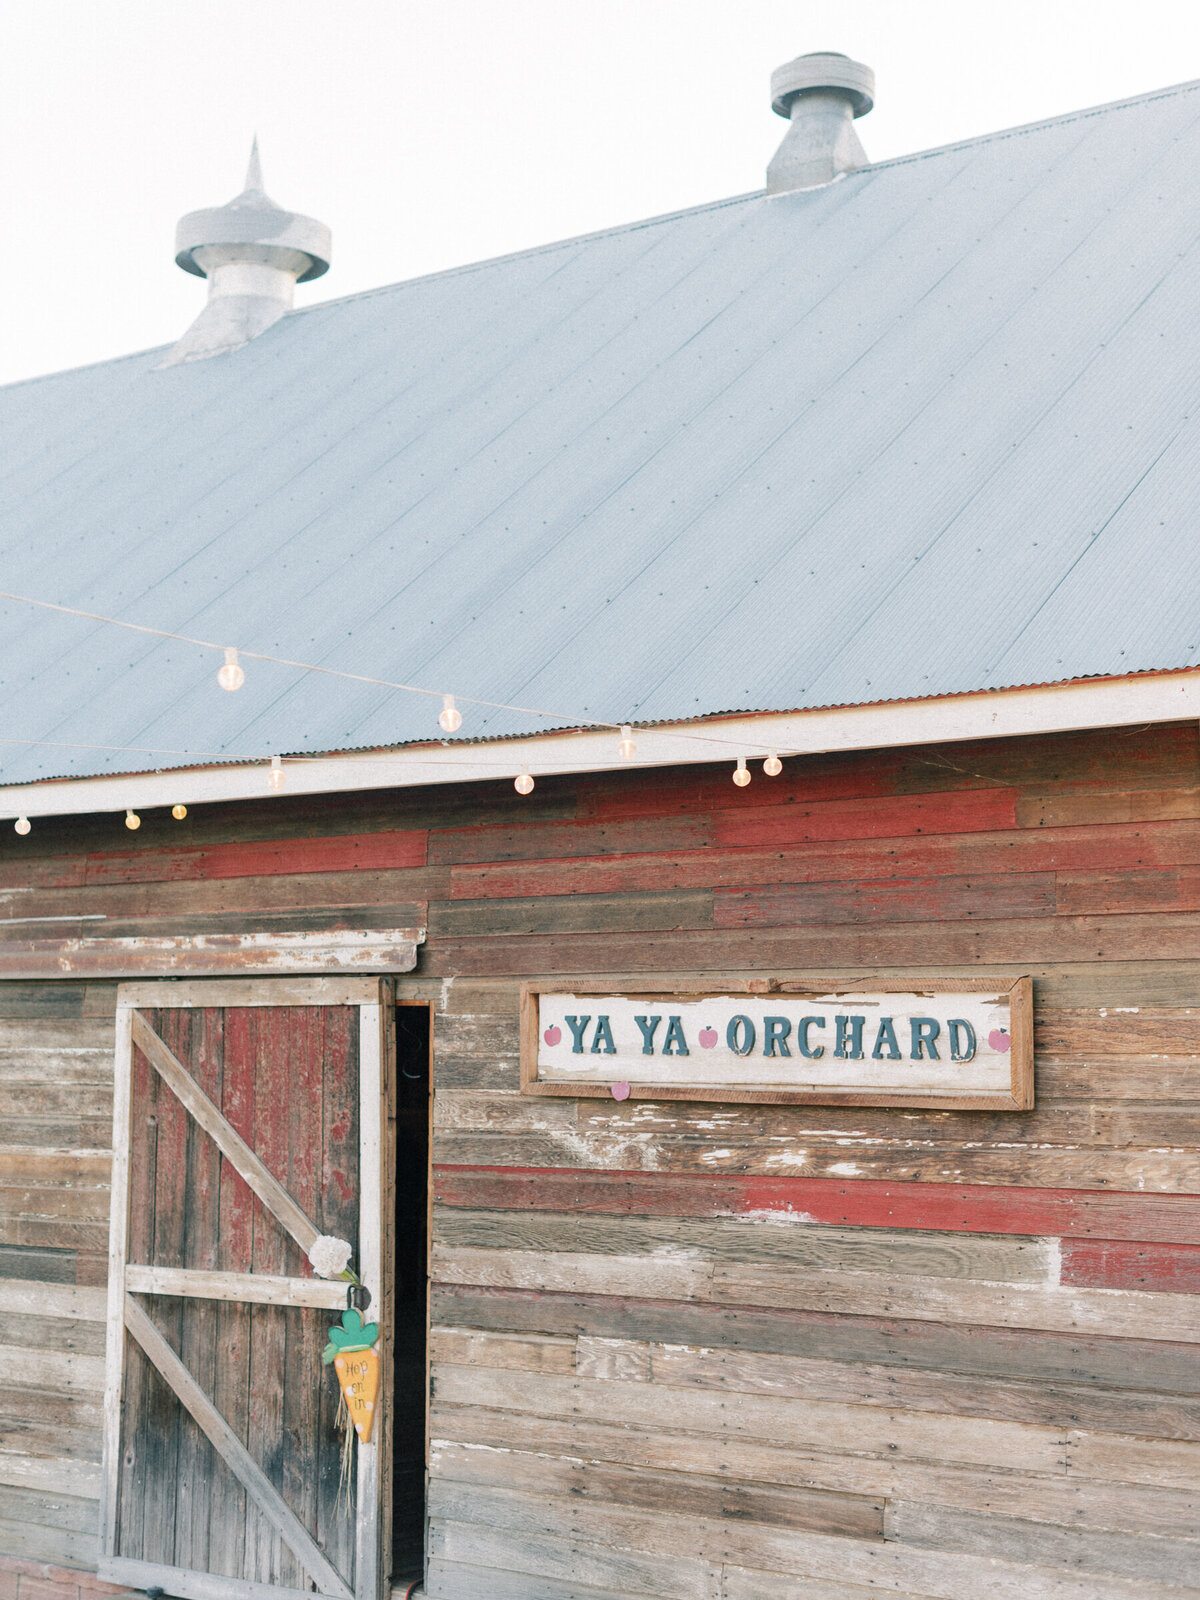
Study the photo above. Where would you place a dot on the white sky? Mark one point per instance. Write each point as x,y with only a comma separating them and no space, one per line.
432,132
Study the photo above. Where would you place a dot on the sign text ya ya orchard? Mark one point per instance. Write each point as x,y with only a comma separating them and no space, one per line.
963,1043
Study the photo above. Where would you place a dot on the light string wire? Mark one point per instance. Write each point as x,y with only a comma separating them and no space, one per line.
331,672
301,666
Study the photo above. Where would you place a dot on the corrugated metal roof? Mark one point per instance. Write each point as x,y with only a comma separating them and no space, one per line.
926,431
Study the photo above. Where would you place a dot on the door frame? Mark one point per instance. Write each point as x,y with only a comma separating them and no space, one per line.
399,1002
374,999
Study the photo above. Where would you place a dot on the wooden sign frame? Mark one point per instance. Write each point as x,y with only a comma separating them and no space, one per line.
1019,992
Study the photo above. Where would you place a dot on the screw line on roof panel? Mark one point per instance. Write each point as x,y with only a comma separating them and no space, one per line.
789,427
844,490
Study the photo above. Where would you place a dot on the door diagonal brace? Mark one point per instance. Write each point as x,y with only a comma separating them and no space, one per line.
235,1455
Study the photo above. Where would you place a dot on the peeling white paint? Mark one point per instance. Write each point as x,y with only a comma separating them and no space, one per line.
784,1214
787,1158
1053,1263
331,951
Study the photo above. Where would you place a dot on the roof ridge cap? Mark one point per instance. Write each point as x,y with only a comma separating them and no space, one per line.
426,277
1189,86
611,232
84,366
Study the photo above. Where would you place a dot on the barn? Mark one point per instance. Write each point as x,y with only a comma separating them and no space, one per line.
610,841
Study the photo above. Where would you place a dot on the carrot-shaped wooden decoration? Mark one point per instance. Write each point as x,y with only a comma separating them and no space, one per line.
355,1359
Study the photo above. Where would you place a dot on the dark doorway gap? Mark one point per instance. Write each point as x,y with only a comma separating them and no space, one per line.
411,1270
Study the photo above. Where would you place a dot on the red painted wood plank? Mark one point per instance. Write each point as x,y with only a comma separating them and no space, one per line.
1107,848
237,1201
820,778
1062,763
43,872
949,1207
188,863
335,1035
263,858
889,816
271,1045
980,897
1124,1264
555,840
197,1039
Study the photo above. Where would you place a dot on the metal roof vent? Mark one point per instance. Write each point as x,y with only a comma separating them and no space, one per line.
822,94
253,254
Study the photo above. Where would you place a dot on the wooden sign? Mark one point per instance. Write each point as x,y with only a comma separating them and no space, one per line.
962,1043
358,1374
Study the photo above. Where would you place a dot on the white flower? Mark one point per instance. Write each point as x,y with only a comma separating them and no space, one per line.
329,1256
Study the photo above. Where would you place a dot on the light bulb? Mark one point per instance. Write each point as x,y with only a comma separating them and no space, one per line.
231,676
276,778
523,783
132,821
179,812
450,717
22,824
741,773
772,766
627,746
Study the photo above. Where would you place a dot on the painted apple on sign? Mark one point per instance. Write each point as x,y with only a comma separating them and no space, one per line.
707,1037
552,1034
999,1039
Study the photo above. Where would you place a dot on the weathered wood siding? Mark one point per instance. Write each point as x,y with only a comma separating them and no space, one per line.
703,1350
56,1072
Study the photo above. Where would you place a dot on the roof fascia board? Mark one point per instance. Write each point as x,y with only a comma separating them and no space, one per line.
992,714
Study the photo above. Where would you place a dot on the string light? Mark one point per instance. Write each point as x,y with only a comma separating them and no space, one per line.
231,676
285,661
455,760
450,717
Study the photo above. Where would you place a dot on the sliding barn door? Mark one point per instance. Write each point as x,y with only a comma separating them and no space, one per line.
251,1117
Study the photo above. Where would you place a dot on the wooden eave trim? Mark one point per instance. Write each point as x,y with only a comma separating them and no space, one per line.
382,950
990,714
